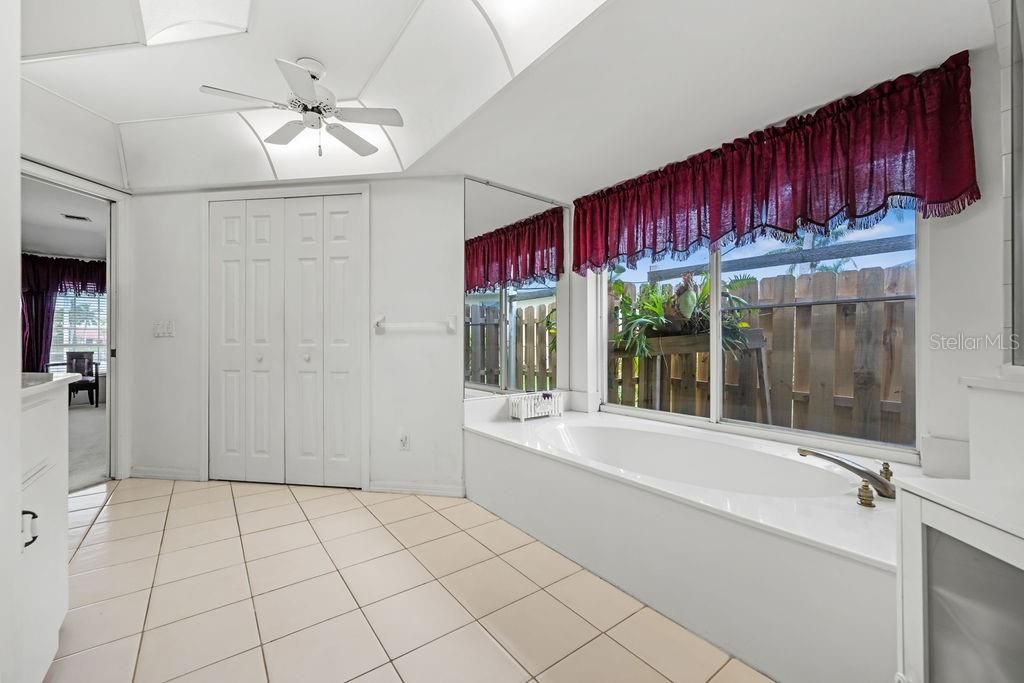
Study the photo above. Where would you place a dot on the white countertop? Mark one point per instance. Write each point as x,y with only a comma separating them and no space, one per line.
33,383
997,503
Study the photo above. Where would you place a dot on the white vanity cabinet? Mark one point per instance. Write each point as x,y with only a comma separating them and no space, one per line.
961,581
43,571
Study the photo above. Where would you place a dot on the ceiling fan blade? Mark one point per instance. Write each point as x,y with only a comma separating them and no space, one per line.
299,80
210,90
285,134
378,115
354,142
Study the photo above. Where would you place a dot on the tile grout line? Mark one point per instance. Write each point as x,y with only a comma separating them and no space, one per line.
248,582
152,584
78,546
349,589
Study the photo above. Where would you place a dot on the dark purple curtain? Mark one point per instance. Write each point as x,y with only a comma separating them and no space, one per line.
42,279
905,143
527,251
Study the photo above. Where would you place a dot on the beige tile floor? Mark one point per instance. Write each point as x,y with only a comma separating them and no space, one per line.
226,582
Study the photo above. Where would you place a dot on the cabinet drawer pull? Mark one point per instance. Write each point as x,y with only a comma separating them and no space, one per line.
33,526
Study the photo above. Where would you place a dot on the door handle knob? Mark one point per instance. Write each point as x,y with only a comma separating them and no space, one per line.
259,357
306,357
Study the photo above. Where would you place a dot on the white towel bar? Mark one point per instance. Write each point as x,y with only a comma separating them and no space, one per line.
381,325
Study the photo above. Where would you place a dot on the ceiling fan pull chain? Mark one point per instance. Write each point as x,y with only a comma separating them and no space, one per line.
319,141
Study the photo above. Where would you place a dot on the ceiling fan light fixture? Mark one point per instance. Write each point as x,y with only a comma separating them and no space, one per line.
314,103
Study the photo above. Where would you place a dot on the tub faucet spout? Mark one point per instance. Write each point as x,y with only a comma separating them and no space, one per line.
883,486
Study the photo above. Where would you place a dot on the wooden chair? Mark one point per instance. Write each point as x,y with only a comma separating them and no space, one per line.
82,362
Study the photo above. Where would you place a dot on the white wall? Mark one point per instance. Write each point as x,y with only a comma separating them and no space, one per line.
10,342
962,286
416,251
164,375
416,274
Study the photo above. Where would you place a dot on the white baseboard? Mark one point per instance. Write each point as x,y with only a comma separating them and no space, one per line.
455,490
183,473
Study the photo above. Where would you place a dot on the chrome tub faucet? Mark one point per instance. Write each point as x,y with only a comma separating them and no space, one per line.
880,481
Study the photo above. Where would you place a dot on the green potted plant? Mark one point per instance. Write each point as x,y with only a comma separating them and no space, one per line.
659,311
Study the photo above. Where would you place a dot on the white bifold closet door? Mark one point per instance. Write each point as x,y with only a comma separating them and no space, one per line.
247,340
300,309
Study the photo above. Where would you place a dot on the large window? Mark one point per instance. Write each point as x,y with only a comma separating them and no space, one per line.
816,334
80,324
510,338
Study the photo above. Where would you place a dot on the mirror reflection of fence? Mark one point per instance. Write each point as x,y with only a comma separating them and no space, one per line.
510,341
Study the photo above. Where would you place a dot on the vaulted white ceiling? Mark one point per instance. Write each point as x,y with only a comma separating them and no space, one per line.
437,61
646,82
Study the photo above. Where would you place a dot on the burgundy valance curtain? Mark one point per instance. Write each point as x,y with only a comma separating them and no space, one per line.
904,143
42,279
530,250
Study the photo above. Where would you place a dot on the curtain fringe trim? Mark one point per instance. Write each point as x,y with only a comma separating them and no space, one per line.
840,220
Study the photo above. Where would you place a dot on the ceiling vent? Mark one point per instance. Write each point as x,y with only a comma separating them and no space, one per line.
73,217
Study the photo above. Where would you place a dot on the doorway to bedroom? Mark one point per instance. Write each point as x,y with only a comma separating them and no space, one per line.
66,313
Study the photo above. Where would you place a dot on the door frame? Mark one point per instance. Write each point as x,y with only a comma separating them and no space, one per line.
278,193
118,261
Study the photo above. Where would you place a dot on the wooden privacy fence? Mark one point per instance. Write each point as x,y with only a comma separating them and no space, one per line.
827,352
535,357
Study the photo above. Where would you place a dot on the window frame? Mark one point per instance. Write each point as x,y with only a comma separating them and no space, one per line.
102,351
906,454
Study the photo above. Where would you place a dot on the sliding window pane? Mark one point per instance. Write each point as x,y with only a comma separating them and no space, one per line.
818,333
659,335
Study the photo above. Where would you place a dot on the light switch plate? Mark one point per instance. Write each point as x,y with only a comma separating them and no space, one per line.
163,328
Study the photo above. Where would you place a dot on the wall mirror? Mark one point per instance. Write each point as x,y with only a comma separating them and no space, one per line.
510,338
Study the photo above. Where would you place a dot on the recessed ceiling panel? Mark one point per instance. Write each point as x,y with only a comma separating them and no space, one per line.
445,66
528,28
54,27
299,159
211,150
351,38
172,21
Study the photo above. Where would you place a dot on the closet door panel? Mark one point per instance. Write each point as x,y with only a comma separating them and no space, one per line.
304,359
346,323
227,339
264,302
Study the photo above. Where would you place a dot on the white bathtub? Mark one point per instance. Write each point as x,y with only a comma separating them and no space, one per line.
762,552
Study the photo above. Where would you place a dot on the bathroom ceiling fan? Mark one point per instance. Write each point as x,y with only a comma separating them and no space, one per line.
315,104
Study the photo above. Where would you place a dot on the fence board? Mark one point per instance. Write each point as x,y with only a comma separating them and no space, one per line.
492,345
867,384
820,415
908,389
541,350
780,359
530,341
